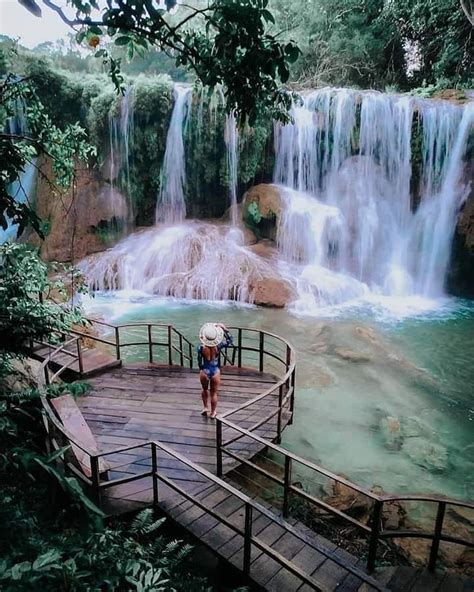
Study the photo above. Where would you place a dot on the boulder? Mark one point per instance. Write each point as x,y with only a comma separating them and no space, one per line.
266,197
273,292
350,501
351,356
391,431
261,207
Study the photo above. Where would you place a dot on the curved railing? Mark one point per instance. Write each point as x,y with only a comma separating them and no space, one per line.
176,348
274,357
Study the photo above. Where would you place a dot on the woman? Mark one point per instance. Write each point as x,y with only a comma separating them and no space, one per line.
213,337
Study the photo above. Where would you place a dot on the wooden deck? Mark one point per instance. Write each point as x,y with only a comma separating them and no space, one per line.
141,402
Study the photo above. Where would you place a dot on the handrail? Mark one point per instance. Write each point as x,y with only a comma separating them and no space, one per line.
375,530
248,502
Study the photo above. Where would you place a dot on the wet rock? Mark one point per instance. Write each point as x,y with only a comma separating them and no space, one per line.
76,215
249,237
266,197
351,356
460,280
348,500
427,454
391,432
261,207
266,249
367,334
273,292
413,427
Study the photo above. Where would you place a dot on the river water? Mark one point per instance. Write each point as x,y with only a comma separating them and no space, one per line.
384,389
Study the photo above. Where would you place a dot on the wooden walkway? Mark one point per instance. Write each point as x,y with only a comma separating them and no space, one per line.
145,418
141,402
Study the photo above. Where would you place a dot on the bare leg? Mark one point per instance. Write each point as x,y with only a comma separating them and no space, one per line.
205,385
215,383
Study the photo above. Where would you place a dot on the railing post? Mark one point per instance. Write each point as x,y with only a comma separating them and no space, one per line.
117,342
247,538
288,362
218,447
190,348
437,536
261,346
79,356
280,411
181,357
46,374
239,345
154,467
96,478
287,486
374,534
170,349
292,396
150,345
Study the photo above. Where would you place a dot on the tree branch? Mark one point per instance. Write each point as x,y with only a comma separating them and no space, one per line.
469,12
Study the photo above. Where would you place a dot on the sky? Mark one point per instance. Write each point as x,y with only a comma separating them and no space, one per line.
16,21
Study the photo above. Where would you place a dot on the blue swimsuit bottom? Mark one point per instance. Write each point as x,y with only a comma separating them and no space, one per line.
212,367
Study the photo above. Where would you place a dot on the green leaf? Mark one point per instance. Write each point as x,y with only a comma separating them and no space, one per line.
95,30
81,35
46,559
122,40
268,16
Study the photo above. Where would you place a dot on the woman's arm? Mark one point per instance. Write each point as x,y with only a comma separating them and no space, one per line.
200,357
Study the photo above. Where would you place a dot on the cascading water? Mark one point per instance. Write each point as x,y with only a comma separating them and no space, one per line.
121,128
232,143
444,193
348,228
23,188
192,260
351,151
171,206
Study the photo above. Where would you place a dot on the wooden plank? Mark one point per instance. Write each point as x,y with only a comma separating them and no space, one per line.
426,581
72,419
403,579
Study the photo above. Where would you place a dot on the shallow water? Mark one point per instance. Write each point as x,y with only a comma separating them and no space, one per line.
384,394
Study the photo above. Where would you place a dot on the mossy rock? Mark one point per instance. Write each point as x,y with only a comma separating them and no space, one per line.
261,208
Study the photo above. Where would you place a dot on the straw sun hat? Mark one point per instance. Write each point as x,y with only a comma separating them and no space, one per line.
211,334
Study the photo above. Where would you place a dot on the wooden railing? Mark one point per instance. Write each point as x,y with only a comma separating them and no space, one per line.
374,528
175,348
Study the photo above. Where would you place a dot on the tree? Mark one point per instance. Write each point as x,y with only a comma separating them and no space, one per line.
228,44
442,37
19,144
343,42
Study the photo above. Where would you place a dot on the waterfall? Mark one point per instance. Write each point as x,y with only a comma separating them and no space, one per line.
23,189
171,206
231,137
346,166
121,127
193,260
444,193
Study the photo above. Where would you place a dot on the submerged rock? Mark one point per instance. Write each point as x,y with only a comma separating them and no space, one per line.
391,431
430,455
351,356
273,292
